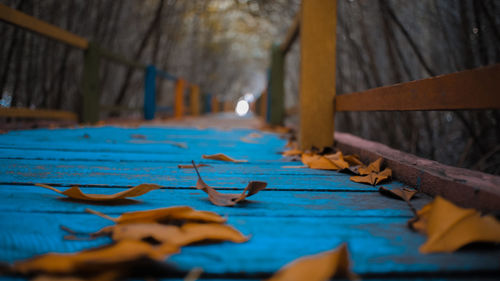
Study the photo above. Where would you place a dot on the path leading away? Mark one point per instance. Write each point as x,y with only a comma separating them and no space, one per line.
302,211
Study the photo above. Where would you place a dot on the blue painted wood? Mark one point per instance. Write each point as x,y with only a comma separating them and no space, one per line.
264,204
303,211
150,92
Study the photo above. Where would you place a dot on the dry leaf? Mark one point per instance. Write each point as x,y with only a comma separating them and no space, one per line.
373,178
449,227
165,215
222,157
353,160
374,167
338,160
228,199
254,135
190,166
403,193
187,234
292,152
194,274
319,267
294,167
174,143
126,250
75,193
315,161
292,144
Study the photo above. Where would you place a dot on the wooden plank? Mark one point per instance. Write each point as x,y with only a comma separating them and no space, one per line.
470,89
276,98
194,100
179,98
20,112
377,245
263,104
215,104
471,189
34,199
317,73
30,23
291,35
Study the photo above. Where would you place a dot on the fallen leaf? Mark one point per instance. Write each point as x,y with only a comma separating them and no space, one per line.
294,167
449,227
174,143
222,157
292,152
315,161
228,199
374,167
338,160
292,144
373,178
190,166
403,193
194,274
187,234
164,215
319,267
75,193
126,250
254,135
353,160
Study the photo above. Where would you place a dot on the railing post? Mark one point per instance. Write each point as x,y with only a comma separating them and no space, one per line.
276,98
207,103
194,100
317,72
263,104
215,104
150,92
179,98
90,85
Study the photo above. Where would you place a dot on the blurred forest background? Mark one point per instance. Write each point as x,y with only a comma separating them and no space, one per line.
223,46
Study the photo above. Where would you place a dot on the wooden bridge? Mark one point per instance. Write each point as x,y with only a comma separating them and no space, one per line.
301,212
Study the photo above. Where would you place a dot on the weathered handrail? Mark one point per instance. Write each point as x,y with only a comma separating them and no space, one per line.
90,81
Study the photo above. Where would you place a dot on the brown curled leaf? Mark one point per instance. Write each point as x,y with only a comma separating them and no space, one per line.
449,227
223,157
254,135
190,166
123,251
165,215
338,160
187,234
374,167
353,160
403,193
248,140
228,199
75,193
373,178
319,267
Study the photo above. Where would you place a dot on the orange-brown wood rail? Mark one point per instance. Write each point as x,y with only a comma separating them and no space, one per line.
292,34
20,112
471,89
179,98
33,24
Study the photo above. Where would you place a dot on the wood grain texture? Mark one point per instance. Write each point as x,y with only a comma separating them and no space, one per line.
301,212
317,72
470,89
30,23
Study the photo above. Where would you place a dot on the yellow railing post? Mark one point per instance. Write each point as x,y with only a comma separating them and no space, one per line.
215,104
317,72
194,100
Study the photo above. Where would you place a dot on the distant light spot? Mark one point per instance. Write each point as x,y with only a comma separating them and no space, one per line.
242,108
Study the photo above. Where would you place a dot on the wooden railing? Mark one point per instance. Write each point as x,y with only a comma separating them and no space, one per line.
90,81
316,22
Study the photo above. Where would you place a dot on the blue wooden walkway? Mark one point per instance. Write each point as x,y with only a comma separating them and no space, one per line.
302,211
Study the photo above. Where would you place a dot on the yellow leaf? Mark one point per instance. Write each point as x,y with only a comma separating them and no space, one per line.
123,251
374,167
338,160
353,160
449,227
248,140
315,161
292,152
222,157
228,199
171,214
319,267
373,178
187,234
75,193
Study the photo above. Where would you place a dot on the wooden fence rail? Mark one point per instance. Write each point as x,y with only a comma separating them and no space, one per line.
316,24
90,81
